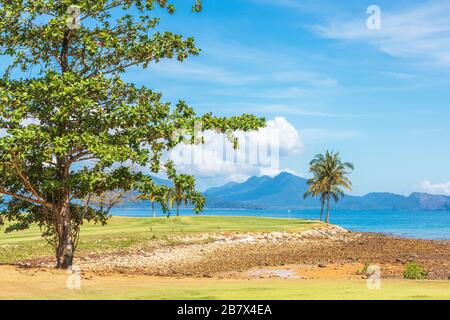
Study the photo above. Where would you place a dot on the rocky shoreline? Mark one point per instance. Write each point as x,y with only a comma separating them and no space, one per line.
217,254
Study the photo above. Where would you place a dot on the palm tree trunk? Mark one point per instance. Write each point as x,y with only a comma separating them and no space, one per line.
327,219
321,209
153,209
178,209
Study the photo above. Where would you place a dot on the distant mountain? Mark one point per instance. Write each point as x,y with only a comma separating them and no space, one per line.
142,203
283,190
129,198
286,191
162,182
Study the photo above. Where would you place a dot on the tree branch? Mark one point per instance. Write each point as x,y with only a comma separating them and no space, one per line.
26,181
30,200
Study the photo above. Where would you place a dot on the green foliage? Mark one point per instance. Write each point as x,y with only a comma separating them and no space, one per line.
33,32
183,190
414,271
329,178
77,130
365,268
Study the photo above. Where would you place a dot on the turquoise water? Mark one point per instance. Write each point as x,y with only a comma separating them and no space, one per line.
416,224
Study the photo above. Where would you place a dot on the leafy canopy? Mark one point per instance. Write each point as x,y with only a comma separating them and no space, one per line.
70,127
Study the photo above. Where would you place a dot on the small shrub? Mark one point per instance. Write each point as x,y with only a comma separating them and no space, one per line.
414,271
365,268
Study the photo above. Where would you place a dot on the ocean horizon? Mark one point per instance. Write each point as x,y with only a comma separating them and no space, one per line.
432,225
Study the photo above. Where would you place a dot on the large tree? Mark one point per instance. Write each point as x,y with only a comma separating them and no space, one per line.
70,128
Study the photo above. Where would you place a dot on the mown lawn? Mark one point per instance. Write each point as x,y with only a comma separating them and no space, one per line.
124,232
50,285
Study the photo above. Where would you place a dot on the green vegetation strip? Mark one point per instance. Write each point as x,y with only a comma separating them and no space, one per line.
192,289
124,232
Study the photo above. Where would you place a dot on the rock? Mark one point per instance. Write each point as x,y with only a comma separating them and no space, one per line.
413,257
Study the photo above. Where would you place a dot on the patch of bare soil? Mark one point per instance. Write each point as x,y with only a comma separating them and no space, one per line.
335,271
328,253
390,253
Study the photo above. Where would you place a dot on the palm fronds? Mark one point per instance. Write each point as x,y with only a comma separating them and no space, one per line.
330,179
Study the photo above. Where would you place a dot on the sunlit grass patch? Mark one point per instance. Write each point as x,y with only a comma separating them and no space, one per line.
125,232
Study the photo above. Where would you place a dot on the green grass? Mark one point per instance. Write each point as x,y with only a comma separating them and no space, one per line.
125,287
126,232
122,232
278,289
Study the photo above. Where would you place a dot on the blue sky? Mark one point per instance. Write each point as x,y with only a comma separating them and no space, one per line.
324,81
380,97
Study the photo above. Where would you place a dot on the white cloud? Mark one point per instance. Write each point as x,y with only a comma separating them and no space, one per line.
202,72
234,64
274,172
437,188
399,75
259,153
258,72
304,76
303,5
421,32
299,111
315,135
293,4
281,108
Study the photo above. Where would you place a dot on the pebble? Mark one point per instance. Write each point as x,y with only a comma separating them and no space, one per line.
161,257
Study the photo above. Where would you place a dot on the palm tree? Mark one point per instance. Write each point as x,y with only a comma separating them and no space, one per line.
329,179
315,189
154,194
150,197
182,191
314,192
182,185
167,199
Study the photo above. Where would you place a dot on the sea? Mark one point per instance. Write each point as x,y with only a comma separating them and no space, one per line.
434,225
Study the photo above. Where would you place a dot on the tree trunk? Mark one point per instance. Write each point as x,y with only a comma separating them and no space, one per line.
321,209
178,209
153,209
327,219
65,247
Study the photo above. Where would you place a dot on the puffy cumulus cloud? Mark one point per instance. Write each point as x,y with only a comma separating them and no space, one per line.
259,153
436,188
278,134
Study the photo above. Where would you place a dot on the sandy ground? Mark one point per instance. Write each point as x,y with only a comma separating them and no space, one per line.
323,263
18,283
321,253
